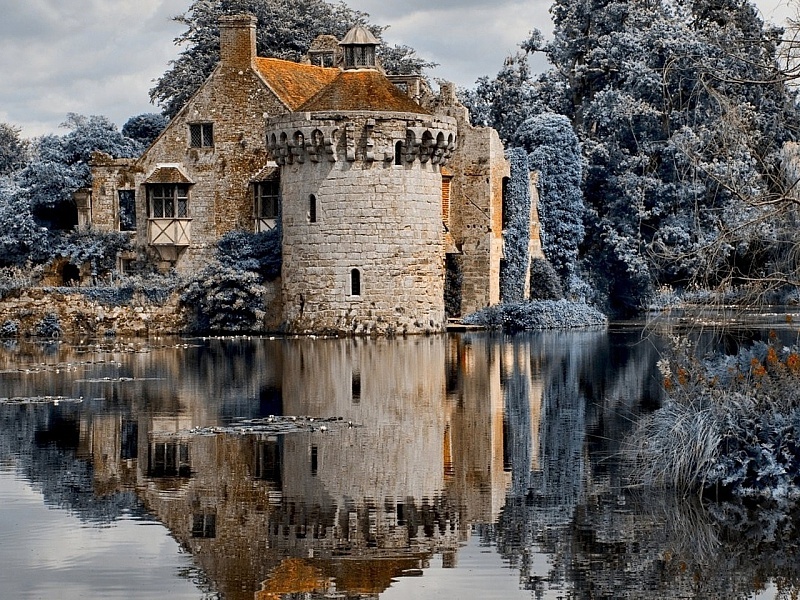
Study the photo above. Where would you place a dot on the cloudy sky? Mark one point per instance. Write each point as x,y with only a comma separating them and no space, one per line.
102,56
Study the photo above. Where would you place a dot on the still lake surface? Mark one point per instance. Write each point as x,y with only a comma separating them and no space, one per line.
471,465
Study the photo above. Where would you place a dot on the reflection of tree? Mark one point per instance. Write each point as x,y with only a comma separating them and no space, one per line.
43,442
570,524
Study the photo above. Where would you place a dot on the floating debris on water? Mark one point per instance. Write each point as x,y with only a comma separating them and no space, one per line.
274,425
55,400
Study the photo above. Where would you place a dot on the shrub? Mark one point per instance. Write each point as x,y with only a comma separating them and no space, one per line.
9,329
545,283
49,326
256,252
544,314
729,424
224,300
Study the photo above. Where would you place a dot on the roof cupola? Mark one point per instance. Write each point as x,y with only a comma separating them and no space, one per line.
359,47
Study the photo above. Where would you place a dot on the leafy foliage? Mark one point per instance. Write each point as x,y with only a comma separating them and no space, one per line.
145,128
730,423
538,315
13,149
60,165
454,278
545,283
555,153
257,252
97,248
224,300
48,327
285,30
681,112
516,232
21,238
9,329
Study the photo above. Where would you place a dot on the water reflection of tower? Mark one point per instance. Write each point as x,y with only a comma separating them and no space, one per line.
351,508
476,433
383,479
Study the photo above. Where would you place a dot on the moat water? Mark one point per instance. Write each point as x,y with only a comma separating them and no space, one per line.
465,466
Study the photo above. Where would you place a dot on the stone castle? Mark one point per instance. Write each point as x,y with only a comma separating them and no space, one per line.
384,190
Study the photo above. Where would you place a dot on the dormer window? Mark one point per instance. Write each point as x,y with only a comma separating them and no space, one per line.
201,135
322,59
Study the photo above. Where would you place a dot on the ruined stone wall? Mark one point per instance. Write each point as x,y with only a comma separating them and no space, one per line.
476,212
372,215
109,175
81,316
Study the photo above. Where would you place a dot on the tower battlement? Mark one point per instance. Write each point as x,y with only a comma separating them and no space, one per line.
389,138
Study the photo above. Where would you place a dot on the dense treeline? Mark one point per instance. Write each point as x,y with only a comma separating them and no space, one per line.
681,113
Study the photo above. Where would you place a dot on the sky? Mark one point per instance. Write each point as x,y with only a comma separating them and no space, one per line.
101,57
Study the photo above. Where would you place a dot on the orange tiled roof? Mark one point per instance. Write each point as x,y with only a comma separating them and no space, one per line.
294,83
361,90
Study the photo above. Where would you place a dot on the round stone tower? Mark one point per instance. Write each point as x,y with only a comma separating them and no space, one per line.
361,197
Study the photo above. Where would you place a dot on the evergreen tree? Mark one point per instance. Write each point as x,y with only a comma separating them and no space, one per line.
555,153
145,128
13,149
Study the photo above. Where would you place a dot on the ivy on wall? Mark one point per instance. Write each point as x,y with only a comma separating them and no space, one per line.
516,230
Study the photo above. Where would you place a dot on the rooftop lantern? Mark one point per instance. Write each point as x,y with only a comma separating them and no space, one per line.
359,48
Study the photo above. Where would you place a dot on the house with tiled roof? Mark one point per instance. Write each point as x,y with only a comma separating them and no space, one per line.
385,192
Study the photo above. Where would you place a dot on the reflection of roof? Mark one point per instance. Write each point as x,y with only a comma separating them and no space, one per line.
292,82
359,35
168,174
361,90
293,575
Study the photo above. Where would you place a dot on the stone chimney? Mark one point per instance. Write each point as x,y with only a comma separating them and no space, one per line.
237,41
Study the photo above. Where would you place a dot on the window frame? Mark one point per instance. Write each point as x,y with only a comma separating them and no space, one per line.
159,200
201,135
273,197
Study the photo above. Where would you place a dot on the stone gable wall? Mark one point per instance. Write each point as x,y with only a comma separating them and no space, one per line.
221,198
476,212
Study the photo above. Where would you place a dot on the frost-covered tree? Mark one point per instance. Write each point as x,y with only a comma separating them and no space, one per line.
516,228
60,164
145,128
681,119
13,149
555,153
21,238
285,30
